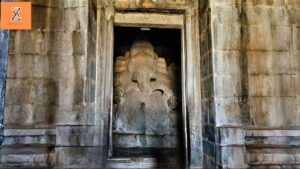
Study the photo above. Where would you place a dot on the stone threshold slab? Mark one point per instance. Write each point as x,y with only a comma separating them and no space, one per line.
136,163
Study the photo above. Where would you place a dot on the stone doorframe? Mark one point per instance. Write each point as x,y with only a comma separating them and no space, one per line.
155,20
180,14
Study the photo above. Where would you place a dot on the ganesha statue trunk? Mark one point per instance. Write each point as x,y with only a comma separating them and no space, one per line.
145,100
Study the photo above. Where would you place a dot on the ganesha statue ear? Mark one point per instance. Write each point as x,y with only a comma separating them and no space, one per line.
130,65
127,54
161,66
120,65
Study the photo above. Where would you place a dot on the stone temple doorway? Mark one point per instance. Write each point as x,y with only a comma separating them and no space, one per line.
147,116
150,111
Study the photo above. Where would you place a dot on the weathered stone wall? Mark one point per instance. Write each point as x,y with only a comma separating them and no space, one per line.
272,33
256,82
49,94
230,85
249,84
78,138
4,43
32,88
207,85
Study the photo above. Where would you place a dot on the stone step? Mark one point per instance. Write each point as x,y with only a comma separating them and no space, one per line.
139,163
278,166
274,156
29,136
274,159
33,156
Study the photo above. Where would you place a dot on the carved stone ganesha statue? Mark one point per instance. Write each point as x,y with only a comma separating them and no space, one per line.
144,96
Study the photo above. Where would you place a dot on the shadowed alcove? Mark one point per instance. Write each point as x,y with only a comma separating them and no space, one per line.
147,123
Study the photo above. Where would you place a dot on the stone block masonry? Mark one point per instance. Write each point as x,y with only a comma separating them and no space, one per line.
4,39
50,86
256,75
56,108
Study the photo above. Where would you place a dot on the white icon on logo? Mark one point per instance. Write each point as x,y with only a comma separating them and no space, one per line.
16,16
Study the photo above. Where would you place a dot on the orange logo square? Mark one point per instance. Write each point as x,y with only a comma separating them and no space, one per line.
16,15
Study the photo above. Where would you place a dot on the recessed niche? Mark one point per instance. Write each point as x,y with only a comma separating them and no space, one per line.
147,114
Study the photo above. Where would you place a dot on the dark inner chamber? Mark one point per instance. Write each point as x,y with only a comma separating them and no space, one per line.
167,44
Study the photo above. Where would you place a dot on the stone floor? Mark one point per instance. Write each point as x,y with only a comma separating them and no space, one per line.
145,158
139,163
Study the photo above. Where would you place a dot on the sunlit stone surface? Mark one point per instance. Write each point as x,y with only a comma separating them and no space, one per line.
249,63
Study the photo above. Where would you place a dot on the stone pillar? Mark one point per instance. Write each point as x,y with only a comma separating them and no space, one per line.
207,84
230,85
103,70
4,39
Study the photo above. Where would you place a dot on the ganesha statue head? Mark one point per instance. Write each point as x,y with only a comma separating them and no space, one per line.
140,69
142,62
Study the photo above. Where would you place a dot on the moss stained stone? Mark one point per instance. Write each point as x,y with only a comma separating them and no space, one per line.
4,39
